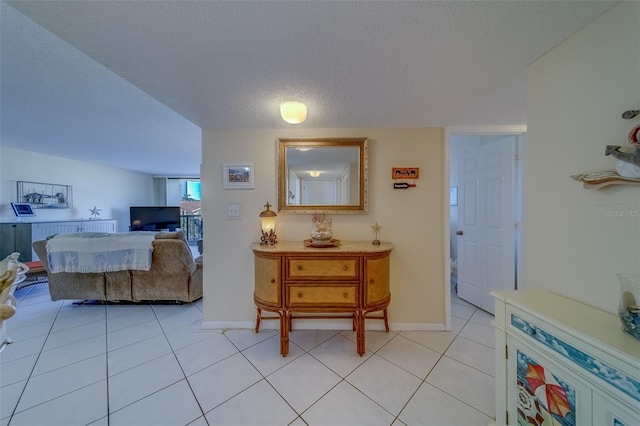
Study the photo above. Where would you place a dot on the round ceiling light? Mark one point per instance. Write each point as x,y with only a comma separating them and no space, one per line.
293,112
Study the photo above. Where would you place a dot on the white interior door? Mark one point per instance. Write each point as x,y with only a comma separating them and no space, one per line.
486,221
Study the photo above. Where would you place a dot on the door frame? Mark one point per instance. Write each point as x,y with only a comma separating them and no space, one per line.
475,130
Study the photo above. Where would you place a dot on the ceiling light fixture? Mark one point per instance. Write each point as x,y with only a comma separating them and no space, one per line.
293,112
314,173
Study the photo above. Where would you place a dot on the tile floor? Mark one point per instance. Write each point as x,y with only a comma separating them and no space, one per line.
153,365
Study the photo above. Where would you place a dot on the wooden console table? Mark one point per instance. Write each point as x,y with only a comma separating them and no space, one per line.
348,281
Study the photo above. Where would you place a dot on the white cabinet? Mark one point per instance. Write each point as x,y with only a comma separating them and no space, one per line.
42,230
563,363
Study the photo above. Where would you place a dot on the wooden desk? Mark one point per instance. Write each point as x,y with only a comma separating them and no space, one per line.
349,281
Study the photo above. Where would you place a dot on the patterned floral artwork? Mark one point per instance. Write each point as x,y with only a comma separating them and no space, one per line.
543,398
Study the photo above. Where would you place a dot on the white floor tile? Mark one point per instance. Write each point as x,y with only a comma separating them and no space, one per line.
432,407
482,317
62,381
267,408
204,353
438,341
174,405
76,334
340,355
309,339
345,405
218,383
373,339
78,316
134,334
410,356
130,318
479,333
17,370
469,385
133,355
266,357
149,349
138,382
70,354
22,347
303,381
384,382
185,336
9,397
81,407
464,311
473,354
242,339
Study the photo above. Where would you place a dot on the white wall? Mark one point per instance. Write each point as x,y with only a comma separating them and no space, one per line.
576,240
112,190
412,219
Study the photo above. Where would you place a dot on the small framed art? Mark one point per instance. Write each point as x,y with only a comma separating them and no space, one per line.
453,196
238,176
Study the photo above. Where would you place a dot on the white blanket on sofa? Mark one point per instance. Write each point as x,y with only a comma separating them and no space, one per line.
98,252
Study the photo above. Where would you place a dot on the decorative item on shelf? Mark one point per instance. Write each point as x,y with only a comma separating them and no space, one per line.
95,212
629,308
268,219
627,167
405,173
321,229
293,112
376,228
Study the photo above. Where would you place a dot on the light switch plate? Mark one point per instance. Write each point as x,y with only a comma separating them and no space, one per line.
233,210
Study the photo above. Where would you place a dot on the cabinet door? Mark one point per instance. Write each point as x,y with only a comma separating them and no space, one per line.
268,290
376,281
607,412
43,230
540,391
15,237
108,226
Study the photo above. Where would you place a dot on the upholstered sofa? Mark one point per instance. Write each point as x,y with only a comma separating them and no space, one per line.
174,276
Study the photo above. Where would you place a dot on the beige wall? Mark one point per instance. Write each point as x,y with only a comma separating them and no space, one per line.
576,240
412,219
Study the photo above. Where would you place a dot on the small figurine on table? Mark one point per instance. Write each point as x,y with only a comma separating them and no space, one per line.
376,228
95,212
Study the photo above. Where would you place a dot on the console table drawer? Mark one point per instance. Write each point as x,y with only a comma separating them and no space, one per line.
318,295
327,268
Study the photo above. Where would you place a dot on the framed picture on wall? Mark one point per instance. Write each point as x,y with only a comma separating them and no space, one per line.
238,176
45,195
453,196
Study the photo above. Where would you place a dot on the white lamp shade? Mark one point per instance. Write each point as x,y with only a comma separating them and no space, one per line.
293,112
268,223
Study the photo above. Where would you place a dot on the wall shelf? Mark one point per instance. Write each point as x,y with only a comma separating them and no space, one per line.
603,179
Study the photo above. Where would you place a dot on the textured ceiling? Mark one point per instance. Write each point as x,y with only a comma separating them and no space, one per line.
96,79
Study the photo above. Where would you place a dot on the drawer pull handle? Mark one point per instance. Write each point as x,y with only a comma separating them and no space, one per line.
273,280
345,268
344,295
299,268
300,295
371,281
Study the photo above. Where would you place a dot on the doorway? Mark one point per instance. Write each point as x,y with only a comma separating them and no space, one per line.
485,178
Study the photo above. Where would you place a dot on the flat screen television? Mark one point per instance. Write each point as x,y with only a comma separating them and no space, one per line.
154,218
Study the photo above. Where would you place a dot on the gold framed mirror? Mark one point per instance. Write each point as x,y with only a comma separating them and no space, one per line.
326,175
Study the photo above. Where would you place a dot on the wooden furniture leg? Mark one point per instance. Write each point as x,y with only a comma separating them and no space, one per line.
258,318
285,319
359,319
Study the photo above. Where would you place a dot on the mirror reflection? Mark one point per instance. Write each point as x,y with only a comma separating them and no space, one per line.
322,175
